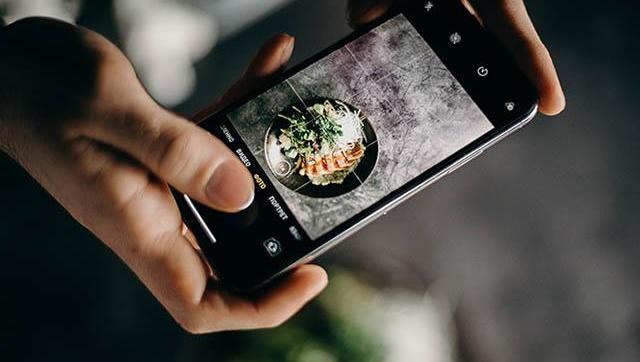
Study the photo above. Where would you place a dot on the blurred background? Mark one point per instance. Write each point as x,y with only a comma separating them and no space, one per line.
530,253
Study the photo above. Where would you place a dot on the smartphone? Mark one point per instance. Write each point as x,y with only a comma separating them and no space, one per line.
337,141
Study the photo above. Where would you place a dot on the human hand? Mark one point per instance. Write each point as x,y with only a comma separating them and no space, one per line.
75,116
510,22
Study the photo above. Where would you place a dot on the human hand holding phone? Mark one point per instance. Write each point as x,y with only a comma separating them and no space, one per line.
511,24
74,115
84,127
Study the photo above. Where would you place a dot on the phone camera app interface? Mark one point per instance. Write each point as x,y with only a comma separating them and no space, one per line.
343,133
337,137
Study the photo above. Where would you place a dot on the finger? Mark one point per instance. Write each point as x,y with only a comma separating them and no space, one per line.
511,23
178,152
270,59
362,12
172,270
174,273
135,216
304,284
222,311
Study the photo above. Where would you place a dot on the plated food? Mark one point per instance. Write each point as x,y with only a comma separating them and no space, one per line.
320,145
326,148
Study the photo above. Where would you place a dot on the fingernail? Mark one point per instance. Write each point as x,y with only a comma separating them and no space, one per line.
361,10
287,51
230,188
321,285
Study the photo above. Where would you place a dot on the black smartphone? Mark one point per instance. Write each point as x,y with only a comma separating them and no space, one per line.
340,139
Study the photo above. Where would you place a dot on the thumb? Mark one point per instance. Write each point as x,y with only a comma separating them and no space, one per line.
179,152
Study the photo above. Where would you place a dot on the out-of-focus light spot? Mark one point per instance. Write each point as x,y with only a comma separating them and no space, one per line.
312,354
163,40
65,10
417,329
169,81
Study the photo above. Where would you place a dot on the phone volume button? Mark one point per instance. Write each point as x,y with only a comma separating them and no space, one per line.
464,161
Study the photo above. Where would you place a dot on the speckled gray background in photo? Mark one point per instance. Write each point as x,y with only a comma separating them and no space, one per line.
420,113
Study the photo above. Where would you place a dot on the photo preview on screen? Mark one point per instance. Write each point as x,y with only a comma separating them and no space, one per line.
343,133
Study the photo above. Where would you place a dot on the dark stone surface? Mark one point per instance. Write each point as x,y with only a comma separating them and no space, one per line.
257,116
420,112
338,76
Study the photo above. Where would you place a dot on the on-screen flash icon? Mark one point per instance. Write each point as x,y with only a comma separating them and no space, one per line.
429,6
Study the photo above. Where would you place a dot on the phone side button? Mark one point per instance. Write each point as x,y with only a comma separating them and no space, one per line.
464,161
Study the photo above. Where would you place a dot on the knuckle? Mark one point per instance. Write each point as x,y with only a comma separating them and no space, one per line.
85,218
71,128
135,248
194,325
272,321
544,51
172,151
147,247
114,76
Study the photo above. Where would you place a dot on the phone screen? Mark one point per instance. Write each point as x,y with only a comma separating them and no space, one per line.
340,135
